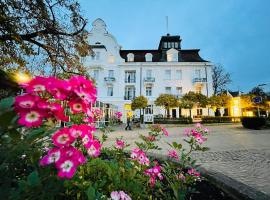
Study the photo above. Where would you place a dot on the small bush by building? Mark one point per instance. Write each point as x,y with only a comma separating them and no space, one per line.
253,122
181,120
211,119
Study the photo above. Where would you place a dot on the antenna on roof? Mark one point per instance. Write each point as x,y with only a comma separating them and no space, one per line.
167,24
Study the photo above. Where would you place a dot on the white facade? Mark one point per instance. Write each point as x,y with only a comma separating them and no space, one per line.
120,79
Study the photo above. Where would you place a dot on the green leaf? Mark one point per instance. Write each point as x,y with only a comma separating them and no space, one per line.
14,134
6,119
91,193
33,179
6,104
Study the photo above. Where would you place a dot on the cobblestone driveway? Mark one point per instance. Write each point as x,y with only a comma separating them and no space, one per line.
241,154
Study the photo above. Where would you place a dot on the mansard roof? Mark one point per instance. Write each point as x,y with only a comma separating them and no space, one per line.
184,55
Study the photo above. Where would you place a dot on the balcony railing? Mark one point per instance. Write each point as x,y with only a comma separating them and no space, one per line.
149,79
199,80
131,80
129,97
109,79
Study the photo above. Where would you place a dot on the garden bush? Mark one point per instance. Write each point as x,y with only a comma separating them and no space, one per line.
181,120
40,161
253,122
212,119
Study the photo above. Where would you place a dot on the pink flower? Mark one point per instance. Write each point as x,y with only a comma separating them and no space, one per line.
153,173
138,155
66,168
25,101
31,118
77,106
93,148
58,88
119,144
118,115
199,138
173,154
62,138
53,156
165,132
186,132
119,195
198,125
37,84
193,172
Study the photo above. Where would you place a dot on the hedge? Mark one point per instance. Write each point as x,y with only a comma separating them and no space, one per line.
253,122
212,119
181,120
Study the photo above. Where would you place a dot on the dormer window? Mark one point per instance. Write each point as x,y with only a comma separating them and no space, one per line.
148,57
172,55
130,57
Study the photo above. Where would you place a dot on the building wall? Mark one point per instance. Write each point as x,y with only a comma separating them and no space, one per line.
109,59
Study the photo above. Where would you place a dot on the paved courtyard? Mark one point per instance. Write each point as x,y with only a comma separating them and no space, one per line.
239,153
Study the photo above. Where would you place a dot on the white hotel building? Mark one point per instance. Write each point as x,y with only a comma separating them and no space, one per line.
122,75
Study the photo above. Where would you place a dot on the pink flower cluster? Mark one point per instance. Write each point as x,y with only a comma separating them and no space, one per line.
118,115
165,132
115,195
65,156
154,173
197,133
173,154
193,172
140,156
42,98
119,144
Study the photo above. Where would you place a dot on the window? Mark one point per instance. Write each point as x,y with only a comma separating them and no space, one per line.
110,74
96,73
129,92
198,73
199,111
179,91
172,44
178,74
165,45
148,91
148,73
169,45
110,91
176,45
168,74
130,57
168,90
130,76
172,55
148,57
148,109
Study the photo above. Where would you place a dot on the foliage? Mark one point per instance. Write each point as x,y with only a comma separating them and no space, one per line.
49,32
97,175
219,101
179,120
225,119
168,101
139,102
253,122
220,79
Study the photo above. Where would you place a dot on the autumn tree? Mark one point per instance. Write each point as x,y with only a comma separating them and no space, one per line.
42,35
167,101
220,79
139,102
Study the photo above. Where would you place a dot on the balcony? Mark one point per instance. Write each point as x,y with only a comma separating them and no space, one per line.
149,79
129,97
199,80
109,79
130,80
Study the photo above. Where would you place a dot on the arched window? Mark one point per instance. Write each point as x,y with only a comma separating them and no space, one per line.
148,57
130,57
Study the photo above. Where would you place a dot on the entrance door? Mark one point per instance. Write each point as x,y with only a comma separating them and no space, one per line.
173,113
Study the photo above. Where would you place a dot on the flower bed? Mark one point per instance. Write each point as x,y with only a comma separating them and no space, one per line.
40,161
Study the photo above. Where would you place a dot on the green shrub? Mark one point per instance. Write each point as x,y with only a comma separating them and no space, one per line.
253,122
181,120
210,119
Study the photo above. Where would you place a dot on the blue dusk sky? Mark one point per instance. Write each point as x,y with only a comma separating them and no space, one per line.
234,33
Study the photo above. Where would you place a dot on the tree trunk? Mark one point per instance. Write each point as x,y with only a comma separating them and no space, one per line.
168,113
190,112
